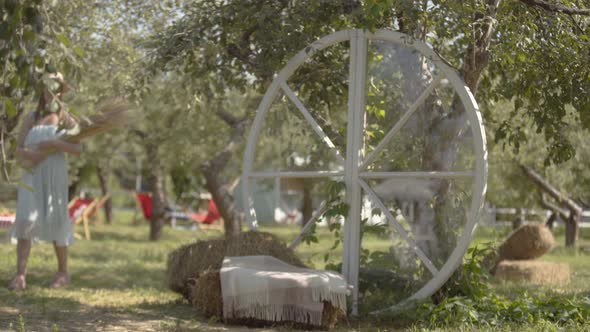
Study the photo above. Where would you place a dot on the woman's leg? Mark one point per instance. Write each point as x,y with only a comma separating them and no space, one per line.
62,277
23,249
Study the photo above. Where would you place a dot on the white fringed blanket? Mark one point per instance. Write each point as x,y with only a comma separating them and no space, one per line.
266,288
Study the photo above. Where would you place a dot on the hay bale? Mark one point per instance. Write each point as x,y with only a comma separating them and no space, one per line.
206,297
192,260
536,272
189,261
206,294
331,315
527,242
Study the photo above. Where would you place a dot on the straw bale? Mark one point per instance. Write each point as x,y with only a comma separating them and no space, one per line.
192,260
527,242
206,294
532,271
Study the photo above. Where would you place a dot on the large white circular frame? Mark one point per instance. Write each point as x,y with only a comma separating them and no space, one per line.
354,169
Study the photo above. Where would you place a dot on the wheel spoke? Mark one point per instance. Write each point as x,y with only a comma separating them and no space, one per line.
402,121
301,174
316,127
432,175
399,228
316,214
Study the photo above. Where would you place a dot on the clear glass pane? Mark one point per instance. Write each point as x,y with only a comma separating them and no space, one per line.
321,83
288,142
433,213
282,206
436,137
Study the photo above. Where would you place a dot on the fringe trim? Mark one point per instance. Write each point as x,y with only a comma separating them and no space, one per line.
301,304
278,313
337,299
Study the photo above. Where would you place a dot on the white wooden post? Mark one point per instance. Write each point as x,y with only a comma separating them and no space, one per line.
277,197
354,154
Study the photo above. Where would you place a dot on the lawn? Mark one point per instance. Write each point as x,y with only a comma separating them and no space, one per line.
118,283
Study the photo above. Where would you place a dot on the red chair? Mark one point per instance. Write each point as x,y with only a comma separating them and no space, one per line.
211,216
144,201
82,209
77,206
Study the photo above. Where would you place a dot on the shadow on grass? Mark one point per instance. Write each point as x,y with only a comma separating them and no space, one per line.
33,311
110,233
120,277
106,255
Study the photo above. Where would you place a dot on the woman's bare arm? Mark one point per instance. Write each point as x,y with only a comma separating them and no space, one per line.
27,156
60,145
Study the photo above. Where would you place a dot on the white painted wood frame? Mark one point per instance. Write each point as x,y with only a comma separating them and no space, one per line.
355,164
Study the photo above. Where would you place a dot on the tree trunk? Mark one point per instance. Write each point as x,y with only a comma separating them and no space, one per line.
572,228
549,223
103,178
74,185
232,219
156,176
307,204
212,168
443,129
441,154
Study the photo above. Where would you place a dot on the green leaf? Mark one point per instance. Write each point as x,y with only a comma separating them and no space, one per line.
5,31
38,60
79,51
24,185
9,107
28,35
63,39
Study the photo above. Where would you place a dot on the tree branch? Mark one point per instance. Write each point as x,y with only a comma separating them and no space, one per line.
557,8
350,5
219,161
556,209
559,197
139,133
576,23
4,159
228,118
243,52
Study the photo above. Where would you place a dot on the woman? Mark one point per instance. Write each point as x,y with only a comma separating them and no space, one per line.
42,201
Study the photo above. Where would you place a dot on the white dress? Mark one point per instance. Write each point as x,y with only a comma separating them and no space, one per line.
42,211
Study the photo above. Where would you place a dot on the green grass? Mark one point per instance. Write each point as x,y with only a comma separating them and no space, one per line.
118,283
